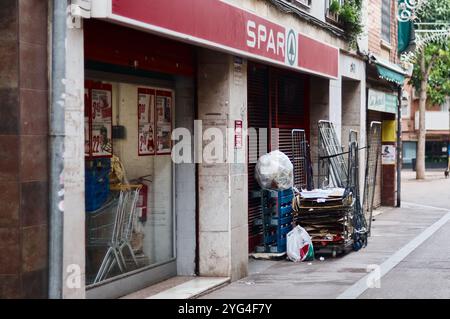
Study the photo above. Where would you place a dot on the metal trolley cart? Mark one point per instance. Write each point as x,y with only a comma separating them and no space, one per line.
329,222
112,226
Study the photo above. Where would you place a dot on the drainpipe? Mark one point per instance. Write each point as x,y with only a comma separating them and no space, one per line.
56,148
399,146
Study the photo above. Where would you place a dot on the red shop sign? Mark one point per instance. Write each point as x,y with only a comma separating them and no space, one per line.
223,26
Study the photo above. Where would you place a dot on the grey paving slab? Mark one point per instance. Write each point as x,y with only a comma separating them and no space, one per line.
422,273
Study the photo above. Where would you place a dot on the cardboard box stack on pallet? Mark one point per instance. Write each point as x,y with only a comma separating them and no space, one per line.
327,216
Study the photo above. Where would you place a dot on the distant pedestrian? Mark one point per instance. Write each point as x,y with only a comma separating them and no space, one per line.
446,173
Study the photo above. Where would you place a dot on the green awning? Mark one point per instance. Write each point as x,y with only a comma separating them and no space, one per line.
390,75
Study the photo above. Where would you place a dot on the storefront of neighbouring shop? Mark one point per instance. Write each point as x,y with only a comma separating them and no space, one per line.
383,81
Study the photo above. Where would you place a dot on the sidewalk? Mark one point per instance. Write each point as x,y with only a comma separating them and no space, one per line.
330,278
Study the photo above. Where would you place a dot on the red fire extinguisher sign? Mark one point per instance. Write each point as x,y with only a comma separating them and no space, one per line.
142,203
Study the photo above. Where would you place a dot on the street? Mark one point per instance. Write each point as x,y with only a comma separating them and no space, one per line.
408,256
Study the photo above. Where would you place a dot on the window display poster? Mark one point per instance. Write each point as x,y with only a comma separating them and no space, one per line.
163,122
87,129
146,119
164,109
101,123
164,139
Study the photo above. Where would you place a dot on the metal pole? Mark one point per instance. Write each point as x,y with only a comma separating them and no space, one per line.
57,135
399,146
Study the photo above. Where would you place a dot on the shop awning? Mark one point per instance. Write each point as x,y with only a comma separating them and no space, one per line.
390,72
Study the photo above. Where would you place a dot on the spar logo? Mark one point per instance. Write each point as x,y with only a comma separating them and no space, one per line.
291,48
266,40
272,41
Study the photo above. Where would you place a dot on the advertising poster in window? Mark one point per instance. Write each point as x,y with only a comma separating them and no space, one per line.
163,122
146,120
101,121
87,128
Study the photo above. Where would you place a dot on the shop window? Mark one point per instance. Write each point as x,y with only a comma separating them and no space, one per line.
386,20
409,152
129,183
436,154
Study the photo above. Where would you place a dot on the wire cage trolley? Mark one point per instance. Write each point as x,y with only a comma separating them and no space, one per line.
112,227
327,220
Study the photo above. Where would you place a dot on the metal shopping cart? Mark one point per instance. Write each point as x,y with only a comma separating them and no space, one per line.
112,227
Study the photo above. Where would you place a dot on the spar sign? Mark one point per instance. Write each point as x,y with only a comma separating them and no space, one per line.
277,42
222,26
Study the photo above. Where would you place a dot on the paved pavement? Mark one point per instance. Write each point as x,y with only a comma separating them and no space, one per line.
409,248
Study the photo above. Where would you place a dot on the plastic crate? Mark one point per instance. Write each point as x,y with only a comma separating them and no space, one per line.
96,183
276,219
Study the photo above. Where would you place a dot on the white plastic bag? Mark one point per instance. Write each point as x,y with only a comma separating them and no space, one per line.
299,245
274,171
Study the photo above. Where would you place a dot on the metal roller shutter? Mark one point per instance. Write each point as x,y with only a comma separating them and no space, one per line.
258,118
376,116
276,99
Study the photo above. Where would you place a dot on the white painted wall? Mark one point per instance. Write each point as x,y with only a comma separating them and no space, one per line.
335,106
434,121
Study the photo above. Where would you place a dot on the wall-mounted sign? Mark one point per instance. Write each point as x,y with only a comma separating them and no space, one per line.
238,134
99,120
146,121
388,155
382,102
217,24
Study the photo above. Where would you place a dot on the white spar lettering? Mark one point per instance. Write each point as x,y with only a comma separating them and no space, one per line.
258,35
251,25
262,35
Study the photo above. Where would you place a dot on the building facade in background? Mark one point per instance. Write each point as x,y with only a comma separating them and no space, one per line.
437,135
385,78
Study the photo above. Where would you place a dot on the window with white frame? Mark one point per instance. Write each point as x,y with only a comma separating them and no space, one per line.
445,107
301,3
406,105
386,20
330,9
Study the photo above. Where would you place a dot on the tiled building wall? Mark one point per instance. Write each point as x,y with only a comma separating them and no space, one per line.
23,149
387,51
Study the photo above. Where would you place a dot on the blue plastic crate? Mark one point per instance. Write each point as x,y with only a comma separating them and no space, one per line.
96,183
279,247
276,218
275,221
95,200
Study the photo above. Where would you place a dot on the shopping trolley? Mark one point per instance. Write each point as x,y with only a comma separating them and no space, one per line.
112,226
